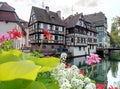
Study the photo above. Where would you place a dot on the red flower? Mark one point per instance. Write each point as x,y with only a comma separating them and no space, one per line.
100,86
47,34
111,87
81,72
14,33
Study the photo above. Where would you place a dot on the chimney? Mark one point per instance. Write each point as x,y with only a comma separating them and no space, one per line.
59,13
47,9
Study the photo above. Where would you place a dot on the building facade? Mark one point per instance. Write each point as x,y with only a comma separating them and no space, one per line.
81,37
41,19
8,21
100,22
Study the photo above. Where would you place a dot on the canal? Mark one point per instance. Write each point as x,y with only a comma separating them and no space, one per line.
107,72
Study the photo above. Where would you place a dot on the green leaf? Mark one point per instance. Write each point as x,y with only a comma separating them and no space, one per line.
8,58
47,64
45,69
48,81
18,70
36,85
15,84
25,56
14,52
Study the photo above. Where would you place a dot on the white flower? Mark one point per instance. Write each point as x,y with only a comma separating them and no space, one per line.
87,80
65,86
69,74
63,57
75,68
77,83
69,78
90,86
61,66
63,80
60,74
78,76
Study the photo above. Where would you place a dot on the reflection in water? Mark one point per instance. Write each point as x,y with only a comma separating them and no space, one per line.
114,81
114,68
106,72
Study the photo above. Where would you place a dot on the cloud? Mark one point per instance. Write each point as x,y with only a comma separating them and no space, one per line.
88,3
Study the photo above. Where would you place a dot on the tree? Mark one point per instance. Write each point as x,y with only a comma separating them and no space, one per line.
115,31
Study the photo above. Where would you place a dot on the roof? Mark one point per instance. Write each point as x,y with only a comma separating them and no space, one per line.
96,18
5,7
47,17
71,21
8,16
7,13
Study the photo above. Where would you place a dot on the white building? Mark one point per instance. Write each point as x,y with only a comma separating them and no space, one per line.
8,21
41,19
81,37
100,22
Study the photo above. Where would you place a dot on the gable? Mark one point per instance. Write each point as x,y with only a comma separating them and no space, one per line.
42,15
32,17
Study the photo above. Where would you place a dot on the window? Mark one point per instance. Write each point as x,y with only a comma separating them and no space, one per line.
40,25
79,48
100,33
100,45
56,37
83,48
51,27
53,37
44,47
71,31
48,26
52,47
35,26
72,39
100,39
56,28
100,28
36,36
60,29
1,4
45,26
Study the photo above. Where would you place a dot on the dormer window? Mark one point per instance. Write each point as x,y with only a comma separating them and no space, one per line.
53,18
1,4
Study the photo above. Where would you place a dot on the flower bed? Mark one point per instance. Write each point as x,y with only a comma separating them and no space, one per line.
27,71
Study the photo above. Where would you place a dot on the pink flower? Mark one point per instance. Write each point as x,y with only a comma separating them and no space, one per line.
4,37
92,59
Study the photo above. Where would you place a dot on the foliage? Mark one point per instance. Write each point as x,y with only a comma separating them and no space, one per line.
37,54
21,71
115,31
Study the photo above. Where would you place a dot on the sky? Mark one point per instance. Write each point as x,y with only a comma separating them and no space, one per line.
111,8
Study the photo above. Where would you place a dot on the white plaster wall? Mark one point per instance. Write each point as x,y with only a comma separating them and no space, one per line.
79,60
78,52
4,27
93,50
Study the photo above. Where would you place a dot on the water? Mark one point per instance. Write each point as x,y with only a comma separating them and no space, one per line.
107,71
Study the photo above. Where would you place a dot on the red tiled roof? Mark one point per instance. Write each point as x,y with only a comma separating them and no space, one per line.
8,16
